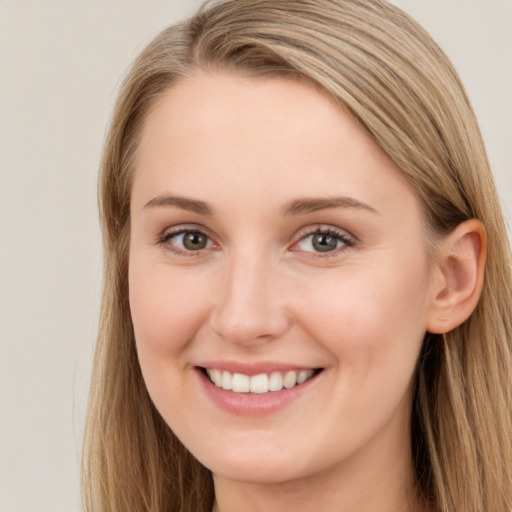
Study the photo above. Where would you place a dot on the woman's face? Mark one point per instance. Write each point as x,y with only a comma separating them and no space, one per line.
273,242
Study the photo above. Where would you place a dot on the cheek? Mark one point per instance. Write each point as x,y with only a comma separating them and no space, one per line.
368,318
373,328
167,310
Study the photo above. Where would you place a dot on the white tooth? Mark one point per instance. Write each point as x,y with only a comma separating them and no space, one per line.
275,383
209,372
217,377
259,383
240,383
304,375
290,379
227,380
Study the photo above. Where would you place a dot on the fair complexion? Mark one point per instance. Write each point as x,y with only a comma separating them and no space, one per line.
270,235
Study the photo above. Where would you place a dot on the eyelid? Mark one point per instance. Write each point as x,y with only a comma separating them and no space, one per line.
165,235
345,236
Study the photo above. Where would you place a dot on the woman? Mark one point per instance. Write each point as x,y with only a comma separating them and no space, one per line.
297,206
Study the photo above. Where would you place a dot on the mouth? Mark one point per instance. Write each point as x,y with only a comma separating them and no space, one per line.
261,383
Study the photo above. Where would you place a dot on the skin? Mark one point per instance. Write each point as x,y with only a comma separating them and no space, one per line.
259,291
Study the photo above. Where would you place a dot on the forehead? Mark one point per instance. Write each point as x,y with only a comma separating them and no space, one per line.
217,132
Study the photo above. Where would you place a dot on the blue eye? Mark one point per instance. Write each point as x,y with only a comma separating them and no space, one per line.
187,240
324,241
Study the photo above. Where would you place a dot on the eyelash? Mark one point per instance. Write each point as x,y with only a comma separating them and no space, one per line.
167,236
347,241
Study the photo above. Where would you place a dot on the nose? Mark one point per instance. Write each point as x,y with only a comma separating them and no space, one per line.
250,307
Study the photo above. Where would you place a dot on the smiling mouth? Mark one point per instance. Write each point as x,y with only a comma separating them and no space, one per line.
261,383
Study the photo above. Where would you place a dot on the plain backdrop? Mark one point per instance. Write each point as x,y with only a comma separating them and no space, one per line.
61,62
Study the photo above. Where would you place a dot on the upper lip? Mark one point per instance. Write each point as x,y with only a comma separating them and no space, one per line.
255,368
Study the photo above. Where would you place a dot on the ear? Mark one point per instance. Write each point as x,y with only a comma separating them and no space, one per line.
458,276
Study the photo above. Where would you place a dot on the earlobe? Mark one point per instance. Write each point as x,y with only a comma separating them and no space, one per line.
459,276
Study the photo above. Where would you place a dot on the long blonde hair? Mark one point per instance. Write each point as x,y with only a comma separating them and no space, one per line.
402,90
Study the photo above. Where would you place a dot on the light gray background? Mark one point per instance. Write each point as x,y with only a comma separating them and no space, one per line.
60,65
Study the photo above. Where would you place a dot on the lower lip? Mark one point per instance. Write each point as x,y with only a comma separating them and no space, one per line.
254,404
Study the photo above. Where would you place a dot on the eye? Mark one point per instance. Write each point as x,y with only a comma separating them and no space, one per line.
186,241
324,241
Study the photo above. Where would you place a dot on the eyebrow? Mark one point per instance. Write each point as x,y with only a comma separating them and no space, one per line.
309,205
185,203
297,207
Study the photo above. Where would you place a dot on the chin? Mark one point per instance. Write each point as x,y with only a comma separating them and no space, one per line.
262,473
259,466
